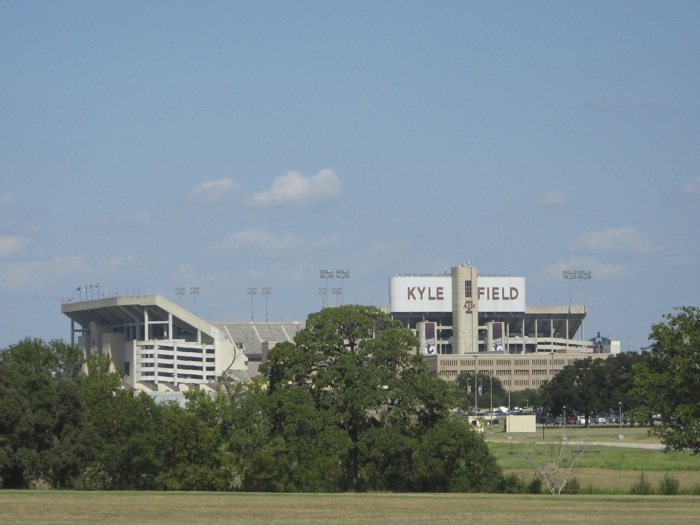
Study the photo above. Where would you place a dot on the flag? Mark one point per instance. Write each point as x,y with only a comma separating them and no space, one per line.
77,289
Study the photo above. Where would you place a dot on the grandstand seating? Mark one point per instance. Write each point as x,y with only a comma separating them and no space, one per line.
252,335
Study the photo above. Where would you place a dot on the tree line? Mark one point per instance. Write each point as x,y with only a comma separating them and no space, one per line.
348,406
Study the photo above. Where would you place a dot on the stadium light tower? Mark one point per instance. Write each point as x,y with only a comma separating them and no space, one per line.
323,292
266,292
194,292
338,293
569,275
342,275
252,292
326,274
179,291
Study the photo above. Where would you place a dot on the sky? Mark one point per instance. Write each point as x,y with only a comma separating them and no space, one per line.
150,146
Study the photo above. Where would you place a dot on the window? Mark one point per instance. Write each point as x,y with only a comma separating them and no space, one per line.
467,288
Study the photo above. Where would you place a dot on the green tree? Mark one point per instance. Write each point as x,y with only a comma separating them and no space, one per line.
667,382
190,446
351,399
592,386
491,389
40,414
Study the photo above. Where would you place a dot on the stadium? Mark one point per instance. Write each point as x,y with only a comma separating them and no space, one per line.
464,322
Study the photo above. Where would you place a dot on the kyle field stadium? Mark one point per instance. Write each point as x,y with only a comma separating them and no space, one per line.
464,322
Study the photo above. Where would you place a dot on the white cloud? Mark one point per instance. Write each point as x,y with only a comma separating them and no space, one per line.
35,274
296,189
255,240
11,246
141,219
389,247
692,189
554,197
213,190
620,240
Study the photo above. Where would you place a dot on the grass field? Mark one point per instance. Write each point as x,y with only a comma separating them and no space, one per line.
120,508
611,470
610,464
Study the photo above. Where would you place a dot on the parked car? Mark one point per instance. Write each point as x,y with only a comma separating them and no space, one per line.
601,420
543,418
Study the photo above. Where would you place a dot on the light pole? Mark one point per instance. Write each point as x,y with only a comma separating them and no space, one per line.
491,392
179,292
564,408
619,414
252,292
323,292
478,391
266,292
194,292
342,275
337,292
326,274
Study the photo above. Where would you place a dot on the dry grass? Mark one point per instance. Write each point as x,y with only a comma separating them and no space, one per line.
62,508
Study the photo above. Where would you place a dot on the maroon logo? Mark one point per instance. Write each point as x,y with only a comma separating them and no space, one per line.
468,305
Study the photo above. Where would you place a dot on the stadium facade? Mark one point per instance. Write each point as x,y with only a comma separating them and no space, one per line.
464,323
161,347
470,323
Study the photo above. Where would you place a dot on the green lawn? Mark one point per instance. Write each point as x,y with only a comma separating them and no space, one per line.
604,467
121,508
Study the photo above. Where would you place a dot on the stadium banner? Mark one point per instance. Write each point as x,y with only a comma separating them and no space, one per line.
434,294
501,294
421,294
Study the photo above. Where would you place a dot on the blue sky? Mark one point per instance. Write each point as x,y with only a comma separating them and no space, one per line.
146,146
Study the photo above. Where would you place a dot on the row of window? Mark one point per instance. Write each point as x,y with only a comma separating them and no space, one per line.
506,362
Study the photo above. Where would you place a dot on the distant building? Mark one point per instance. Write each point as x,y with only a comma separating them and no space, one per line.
160,346
466,322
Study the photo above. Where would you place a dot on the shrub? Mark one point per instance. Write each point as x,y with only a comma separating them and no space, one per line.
572,487
641,486
512,484
669,485
535,486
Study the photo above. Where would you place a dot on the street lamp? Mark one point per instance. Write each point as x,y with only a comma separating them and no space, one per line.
564,408
491,392
619,414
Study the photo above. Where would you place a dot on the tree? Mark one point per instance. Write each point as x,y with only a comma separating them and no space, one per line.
592,386
40,414
555,463
667,382
491,387
349,404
